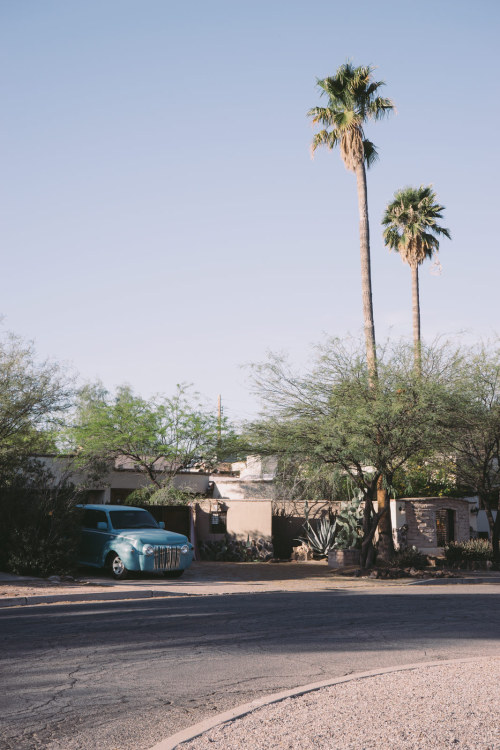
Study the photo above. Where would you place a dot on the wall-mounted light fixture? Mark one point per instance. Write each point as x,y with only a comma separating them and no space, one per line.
474,509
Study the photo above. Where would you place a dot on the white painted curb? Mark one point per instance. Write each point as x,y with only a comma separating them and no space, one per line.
172,742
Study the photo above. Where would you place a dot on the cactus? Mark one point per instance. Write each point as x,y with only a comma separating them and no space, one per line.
341,533
348,524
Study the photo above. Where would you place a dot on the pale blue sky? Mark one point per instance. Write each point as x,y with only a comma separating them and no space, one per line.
161,219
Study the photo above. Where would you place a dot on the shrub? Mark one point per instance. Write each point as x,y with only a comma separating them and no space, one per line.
410,558
461,554
40,530
166,495
232,550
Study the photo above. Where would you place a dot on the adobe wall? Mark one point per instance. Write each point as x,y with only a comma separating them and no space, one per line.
421,520
246,519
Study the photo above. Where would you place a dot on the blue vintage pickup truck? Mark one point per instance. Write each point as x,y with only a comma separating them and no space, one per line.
124,539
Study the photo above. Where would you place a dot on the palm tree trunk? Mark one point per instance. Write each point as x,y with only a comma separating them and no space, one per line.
366,281
384,525
417,347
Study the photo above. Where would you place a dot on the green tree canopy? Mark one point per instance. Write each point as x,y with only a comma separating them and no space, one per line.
335,415
160,436
34,398
474,442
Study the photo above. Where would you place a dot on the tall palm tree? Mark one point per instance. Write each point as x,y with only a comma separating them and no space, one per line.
352,101
411,229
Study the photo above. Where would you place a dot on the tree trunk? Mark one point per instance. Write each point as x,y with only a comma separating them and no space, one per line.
385,540
417,347
495,534
366,281
495,541
370,522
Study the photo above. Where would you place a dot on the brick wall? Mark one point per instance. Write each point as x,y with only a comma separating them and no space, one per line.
421,519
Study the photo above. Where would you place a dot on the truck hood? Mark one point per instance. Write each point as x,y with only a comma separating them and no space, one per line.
152,536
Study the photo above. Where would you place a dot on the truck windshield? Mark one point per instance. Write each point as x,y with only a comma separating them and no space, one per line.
132,519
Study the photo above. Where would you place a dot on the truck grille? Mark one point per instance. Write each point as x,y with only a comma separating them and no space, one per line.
167,558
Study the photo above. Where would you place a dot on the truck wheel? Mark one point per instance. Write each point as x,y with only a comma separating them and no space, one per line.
117,567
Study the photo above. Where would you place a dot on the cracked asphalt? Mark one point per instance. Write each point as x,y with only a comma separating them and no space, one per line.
126,674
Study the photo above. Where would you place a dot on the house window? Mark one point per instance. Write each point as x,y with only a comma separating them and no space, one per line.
218,522
445,526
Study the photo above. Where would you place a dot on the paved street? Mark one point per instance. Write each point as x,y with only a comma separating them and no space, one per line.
123,675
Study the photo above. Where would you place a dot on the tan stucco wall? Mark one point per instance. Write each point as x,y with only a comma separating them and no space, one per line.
245,519
251,519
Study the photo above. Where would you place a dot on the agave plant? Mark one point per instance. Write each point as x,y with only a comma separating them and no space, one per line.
322,539
341,533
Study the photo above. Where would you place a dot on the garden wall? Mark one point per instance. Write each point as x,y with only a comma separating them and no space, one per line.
421,521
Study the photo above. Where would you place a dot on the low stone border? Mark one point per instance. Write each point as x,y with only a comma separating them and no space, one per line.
185,735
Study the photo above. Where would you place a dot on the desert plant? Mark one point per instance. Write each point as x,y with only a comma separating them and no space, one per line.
348,522
234,550
461,554
410,558
322,539
341,532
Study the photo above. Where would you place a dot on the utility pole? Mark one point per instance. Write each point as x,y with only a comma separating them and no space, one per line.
219,422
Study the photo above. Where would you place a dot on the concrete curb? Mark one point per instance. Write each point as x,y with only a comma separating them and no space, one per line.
20,601
185,735
437,581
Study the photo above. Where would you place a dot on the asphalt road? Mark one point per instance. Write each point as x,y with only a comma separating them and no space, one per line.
123,675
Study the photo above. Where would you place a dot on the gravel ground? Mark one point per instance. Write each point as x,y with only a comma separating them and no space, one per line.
433,708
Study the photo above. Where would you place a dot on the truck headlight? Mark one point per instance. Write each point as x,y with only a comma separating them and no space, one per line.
184,549
148,550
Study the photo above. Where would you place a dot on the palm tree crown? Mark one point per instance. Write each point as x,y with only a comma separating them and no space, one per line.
352,101
412,230
411,224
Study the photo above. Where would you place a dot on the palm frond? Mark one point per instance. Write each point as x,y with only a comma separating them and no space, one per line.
371,153
321,115
328,138
379,107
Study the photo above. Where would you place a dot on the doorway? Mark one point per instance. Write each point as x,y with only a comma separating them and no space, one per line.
445,526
